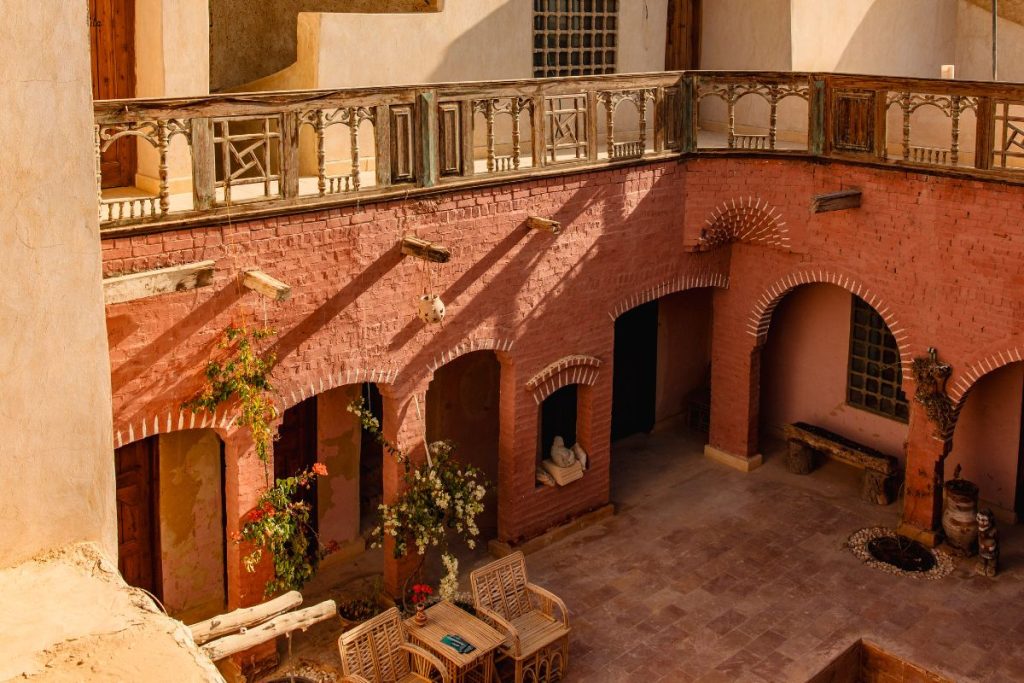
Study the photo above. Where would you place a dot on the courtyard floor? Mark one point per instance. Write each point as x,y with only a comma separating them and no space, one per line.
710,574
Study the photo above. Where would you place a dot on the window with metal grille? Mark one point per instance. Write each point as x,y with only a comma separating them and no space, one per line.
875,378
574,37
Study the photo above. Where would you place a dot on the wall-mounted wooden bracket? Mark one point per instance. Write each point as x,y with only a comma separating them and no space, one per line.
263,284
544,224
161,281
422,249
836,201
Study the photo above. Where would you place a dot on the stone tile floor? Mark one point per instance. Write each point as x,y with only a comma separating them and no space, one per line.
709,574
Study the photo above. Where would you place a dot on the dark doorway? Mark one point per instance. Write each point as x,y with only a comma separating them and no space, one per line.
371,464
635,381
1018,498
462,407
112,32
138,533
558,418
295,450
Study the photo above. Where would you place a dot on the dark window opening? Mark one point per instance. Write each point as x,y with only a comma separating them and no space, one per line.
567,36
875,376
558,418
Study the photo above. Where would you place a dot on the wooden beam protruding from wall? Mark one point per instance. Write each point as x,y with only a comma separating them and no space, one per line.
278,626
836,201
245,617
267,286
544,224
161,281
428,251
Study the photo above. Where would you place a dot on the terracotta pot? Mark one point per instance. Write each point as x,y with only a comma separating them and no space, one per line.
431,309
959,517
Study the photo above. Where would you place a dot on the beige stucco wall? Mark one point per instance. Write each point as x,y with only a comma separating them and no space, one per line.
56,457
804,366
974,41
746,34
191,525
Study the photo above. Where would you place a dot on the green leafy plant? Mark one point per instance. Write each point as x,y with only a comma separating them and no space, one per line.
440,499
279,524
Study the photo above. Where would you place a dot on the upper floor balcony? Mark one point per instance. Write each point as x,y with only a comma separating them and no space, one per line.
245,154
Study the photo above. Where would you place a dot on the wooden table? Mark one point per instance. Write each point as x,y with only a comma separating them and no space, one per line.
443,619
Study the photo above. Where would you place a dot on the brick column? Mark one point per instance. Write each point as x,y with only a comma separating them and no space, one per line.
922,497
735,396
403,427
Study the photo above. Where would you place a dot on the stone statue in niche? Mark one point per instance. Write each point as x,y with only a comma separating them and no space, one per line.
988,544
544,478
560,455
580,454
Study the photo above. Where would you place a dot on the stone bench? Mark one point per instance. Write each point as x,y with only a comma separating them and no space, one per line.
881,472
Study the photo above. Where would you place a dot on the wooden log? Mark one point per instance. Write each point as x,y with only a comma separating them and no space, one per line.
278,626
422,249
544,224
836,201
263,284
223,624
800,458
161,281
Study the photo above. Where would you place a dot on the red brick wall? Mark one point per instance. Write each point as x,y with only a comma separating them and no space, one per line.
939,258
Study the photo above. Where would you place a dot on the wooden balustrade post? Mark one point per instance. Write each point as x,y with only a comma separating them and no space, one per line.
382,143
466,129
204,166
537,126
688,114
985,135
289,154
429,163
659,119
592,134
816,113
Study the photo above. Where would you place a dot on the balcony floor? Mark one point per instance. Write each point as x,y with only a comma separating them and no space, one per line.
709,574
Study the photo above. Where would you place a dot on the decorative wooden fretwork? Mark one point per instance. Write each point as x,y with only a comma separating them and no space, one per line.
157,133
566,129
323,119
248,152
745,219
514,108
574,37
1009,121
626,149
449,139
403,168
853,121
732,92
875,378
952,106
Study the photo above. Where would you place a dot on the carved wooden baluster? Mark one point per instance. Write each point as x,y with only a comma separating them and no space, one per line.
266,158
162,146
517,106
320,129
905,106
954,145
353,130
730,99
99,174
609,107
773,116
489,114
225,152
643,122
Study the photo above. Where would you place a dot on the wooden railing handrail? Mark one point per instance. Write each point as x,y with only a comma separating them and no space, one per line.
246,156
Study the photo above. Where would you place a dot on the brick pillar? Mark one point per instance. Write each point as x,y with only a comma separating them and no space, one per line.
404,427
244,480
735,396
926,453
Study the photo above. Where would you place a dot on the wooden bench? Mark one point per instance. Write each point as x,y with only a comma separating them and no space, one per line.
881,472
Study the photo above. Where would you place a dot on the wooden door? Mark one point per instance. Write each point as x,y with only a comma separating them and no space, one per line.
138,542
296,447
112,30
682,44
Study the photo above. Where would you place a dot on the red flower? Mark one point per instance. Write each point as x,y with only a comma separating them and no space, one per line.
320,469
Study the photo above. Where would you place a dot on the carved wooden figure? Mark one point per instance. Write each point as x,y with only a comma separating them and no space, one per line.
988,544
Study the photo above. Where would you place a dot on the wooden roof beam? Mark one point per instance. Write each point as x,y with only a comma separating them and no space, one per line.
836,201
267,286
160,281
422,249
544,225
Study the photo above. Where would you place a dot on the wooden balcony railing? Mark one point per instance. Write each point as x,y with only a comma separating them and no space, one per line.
261,153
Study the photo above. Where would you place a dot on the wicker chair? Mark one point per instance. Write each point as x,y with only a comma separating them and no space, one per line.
376,651
538,640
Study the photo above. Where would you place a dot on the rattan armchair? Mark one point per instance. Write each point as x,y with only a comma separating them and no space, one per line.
535,620
376,651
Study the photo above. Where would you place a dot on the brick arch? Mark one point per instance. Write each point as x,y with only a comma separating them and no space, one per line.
966,380
174,420
747,219
469,346
761,315
294,393
574,369
673,286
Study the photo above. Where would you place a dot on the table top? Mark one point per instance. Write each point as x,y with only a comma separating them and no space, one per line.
443,619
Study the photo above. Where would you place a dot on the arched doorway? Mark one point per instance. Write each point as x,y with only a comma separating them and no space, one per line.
171,520
831,361
463,407
987,440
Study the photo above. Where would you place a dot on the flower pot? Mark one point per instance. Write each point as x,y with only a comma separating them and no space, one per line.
959,516
431,309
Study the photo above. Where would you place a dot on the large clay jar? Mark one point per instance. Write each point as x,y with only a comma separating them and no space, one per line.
959,517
